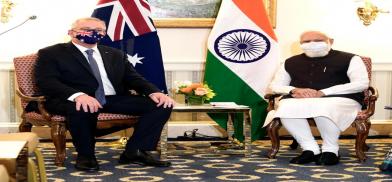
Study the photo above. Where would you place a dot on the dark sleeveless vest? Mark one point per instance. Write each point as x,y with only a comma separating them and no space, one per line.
322,72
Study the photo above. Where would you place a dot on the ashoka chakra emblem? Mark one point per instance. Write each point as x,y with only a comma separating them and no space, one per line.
242,46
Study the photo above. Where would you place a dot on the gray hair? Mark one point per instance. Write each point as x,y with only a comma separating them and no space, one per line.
76,22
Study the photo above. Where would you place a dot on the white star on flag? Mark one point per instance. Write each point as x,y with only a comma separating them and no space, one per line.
134,59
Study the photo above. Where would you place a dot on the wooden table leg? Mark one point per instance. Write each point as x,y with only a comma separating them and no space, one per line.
247,133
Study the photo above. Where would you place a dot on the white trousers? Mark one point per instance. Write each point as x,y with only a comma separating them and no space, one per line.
300,130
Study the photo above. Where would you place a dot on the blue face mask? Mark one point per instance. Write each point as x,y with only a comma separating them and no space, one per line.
89,37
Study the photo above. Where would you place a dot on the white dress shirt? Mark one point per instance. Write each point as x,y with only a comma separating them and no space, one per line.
107,85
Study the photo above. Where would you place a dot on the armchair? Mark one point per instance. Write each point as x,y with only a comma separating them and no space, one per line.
27,91
361,124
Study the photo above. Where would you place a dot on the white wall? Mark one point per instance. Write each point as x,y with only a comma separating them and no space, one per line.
339,19
54,18
336,17
187,45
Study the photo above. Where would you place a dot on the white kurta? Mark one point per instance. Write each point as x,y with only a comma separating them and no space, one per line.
342,111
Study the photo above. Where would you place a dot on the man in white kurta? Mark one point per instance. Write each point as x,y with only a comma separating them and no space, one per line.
323,84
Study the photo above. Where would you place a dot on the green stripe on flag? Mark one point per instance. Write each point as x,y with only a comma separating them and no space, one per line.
230,88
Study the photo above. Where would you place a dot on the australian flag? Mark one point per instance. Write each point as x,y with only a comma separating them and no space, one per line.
130,28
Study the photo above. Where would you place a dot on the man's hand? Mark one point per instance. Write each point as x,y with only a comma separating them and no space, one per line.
162,99
320,93
88,103
306,93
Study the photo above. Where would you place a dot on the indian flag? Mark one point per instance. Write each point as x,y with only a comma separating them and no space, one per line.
242,58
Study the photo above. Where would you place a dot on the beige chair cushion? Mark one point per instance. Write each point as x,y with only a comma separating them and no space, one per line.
31,138
3,174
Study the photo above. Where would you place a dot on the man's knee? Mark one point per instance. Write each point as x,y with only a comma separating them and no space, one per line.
73,114
165,111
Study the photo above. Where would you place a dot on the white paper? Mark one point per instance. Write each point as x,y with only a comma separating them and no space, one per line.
226,105
218,104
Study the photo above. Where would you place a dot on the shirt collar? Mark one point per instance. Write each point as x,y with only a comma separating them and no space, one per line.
83,49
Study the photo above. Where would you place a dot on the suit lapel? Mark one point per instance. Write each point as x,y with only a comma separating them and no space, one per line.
75,52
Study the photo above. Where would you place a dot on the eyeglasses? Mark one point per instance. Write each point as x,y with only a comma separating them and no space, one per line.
314,40
99,30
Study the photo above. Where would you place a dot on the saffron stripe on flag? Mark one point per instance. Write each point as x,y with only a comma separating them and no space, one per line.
253,9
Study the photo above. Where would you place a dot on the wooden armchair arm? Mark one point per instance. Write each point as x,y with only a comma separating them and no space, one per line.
271,97
373,96
29,98
40,102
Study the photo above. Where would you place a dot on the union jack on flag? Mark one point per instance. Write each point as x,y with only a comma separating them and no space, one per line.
133,13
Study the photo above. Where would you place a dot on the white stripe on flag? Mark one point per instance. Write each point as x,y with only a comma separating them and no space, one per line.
105,4
112,22
122,29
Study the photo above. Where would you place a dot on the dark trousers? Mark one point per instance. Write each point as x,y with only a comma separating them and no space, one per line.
82,125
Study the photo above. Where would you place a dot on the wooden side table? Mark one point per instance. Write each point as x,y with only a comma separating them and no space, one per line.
14,155
231,111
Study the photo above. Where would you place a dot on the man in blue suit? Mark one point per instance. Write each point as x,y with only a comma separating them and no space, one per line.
80,79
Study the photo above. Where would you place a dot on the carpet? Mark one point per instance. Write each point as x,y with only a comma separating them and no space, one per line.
222,167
